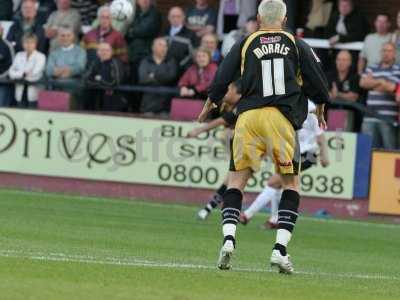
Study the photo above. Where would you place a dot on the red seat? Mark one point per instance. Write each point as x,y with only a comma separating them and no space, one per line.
340,119
185,109
54,100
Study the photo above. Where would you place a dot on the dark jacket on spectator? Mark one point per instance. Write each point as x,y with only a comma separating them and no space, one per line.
17,31
101,79
199,80
6,11
6,57
180,47
153,74
356,24
141,33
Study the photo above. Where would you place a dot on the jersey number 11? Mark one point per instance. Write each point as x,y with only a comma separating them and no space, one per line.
273,84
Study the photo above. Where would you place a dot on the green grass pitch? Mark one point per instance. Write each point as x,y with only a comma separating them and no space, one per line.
60,247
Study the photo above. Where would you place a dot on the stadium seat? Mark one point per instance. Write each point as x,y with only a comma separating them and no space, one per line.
54,100
185,109
340,119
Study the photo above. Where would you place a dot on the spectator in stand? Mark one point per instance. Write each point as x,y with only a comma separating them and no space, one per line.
6,11
105,33
121,25
103,76
196,81
141,33
27,24
67,63
157,70
44,9
347,24
181,40
87,9
6,59
236,35
28,65
371,54
396,38
344,85
210,42
64,16
201,18
233,14
380,81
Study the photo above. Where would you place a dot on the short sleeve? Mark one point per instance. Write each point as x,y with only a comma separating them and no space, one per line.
314,124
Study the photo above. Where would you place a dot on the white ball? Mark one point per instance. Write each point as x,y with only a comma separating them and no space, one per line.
121,9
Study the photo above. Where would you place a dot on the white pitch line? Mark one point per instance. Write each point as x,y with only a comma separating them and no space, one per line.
139,262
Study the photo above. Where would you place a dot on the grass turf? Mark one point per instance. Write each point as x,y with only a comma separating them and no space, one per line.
59,247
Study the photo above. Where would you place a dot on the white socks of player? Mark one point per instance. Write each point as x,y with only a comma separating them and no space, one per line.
229,230
268,194
283,237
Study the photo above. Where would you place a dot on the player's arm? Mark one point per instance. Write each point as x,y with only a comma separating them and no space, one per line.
207,127
323,150
227,72
315,84
227,119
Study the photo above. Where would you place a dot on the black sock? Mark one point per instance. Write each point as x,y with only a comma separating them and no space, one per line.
287,214
232,204
216,199
288,210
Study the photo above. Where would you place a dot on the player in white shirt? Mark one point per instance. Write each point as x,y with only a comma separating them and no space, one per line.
312,140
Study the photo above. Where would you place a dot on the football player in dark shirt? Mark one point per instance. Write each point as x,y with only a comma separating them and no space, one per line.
278,74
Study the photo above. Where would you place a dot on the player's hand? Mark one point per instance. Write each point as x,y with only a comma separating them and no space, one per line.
208,106
324,161
193,133
321,117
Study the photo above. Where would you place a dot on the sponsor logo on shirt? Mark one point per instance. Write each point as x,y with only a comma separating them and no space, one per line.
270,39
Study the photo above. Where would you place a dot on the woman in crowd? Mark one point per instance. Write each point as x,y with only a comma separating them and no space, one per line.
28,65
197,79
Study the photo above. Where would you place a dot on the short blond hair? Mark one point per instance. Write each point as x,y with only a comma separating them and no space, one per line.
272,11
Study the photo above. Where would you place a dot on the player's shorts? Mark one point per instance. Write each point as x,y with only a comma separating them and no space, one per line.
265,131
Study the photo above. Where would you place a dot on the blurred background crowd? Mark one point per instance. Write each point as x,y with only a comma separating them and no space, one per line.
138,65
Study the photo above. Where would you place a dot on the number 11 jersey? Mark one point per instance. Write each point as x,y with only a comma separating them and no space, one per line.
276,70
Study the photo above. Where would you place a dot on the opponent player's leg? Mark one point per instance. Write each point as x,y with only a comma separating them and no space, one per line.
269,192
215,200
232,204
275,200
287,217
